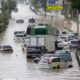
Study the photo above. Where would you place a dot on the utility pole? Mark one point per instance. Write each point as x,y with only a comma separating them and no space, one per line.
78,22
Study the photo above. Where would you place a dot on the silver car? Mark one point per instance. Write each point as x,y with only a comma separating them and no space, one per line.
73,43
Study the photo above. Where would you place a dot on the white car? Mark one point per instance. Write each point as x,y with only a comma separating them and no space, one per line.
63,45
62,38
54,62
71,37
73,43
18,35
63,33
72,33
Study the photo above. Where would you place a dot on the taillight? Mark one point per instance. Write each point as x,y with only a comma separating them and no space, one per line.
79,44
65,40
49,62
69,44
26,54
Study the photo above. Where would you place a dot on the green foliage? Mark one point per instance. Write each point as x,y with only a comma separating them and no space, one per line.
75,4
35,3
9,5
4,21
39,3
43,3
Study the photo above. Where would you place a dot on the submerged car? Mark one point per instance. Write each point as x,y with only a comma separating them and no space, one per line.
54,62
20,21
35,51
32,20
6,49
65,55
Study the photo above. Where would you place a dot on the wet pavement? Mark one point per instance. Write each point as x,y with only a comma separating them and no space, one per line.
16,65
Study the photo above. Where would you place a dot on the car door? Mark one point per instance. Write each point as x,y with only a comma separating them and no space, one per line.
63,64
56,63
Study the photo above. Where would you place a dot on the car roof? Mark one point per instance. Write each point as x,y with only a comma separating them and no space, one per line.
6,46
53,58
74,40
61,52
19,31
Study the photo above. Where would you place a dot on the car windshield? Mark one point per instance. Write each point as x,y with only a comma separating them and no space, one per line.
64,32
74,42
19,35
7,47
19,32
45,60
63,37
40,24
61,52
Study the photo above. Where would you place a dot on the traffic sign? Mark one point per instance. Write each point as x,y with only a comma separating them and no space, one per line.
51,1
55,8
55,5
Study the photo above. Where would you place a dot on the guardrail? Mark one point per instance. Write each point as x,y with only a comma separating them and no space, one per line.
78,59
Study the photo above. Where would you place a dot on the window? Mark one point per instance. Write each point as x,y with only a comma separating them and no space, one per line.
74,42
40,24
56,60
40,31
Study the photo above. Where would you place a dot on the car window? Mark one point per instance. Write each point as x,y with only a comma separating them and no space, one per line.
56,60
6,46
47,25
40,24
63,37
74,42
45,60
19,35
64,32
41,31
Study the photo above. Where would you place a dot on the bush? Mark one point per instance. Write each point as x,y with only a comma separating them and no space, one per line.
2,27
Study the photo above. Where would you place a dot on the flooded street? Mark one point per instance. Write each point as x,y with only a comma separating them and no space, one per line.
16,65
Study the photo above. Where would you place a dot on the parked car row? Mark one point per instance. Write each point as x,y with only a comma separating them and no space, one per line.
69,40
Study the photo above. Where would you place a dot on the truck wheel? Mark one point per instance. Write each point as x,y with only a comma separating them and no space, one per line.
54,67
58,67
70,66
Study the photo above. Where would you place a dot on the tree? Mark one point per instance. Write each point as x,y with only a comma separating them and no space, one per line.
75,4
35,3
43,3
9,5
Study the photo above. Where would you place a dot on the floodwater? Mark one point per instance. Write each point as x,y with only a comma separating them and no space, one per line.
16,66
